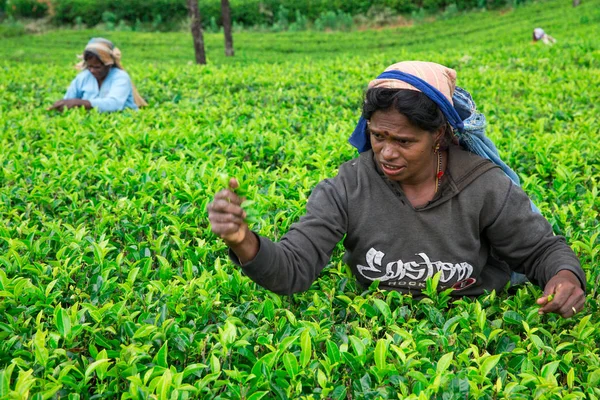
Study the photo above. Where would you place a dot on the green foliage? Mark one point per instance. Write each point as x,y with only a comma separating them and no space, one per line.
26,8
91,12
335,21
11,28
113,286
300,23
274,15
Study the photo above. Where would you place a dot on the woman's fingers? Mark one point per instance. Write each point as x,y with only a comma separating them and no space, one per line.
58,105
580,304
233,183
225,228
562,295
572,306
226,214
229,196
222,223
229,227
568,300
224,217
226,206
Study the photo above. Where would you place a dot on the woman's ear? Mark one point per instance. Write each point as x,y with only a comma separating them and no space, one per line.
439,136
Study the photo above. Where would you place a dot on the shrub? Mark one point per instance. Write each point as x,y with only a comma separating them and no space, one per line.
381,15
402,6
88,12
466,4
418,15
493,4
11,29
300,24
434,5
330,20
282,22
26,8
146,11
212,26
450,11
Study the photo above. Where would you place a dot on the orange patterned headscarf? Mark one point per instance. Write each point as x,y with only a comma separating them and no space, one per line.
440,77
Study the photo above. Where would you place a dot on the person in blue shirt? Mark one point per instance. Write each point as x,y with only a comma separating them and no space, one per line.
103,84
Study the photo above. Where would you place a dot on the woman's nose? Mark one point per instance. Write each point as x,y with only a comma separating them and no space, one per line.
388,152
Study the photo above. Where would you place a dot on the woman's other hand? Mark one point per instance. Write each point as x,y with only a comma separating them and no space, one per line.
562,295
60,105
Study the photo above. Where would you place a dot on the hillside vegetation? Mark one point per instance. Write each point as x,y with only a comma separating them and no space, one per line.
112,285
255,14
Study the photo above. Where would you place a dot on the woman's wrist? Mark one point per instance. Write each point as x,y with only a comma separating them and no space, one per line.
247,248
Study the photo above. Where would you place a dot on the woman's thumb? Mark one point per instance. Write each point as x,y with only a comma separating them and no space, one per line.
233,183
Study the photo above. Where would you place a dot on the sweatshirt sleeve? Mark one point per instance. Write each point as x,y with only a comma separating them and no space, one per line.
293,264
117,96
524,239
73,91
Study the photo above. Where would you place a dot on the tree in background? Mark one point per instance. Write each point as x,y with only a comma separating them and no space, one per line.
226,15
196,26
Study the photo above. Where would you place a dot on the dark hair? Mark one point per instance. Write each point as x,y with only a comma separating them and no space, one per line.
87,55
420,110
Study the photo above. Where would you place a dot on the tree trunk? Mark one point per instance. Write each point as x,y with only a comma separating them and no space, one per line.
197,35
576,3
226,15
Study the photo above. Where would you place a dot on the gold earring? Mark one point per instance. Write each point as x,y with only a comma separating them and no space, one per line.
436,148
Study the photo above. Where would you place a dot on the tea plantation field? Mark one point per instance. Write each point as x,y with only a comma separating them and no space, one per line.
112,285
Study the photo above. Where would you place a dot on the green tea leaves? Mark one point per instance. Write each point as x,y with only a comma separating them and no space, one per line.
112,283
62,321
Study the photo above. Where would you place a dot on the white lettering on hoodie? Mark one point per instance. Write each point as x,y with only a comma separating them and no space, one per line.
412,270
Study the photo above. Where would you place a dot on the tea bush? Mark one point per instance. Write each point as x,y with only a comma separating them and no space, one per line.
111,284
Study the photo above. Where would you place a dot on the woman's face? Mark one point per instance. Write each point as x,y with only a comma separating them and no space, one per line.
403,151
95,66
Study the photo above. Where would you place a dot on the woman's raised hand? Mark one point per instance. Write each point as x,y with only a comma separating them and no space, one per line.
226,215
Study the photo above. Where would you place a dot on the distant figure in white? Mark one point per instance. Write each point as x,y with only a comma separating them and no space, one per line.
539,34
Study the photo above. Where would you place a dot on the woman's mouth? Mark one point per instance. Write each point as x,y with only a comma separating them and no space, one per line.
390,169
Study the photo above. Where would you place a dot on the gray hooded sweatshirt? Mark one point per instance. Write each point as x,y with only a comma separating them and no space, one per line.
478,228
